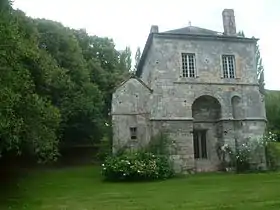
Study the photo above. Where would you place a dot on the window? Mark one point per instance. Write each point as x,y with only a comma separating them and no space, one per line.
199,143
133,133
228,66
188,65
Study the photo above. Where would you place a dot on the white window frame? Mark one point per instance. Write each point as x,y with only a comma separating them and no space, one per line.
187,72
226,72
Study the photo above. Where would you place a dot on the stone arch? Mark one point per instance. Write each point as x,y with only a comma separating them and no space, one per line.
236,104
206,108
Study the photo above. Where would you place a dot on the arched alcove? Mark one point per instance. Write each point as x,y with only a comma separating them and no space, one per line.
237,111
206,108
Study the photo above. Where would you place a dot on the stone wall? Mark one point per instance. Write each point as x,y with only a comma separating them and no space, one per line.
130,108
163,67
180,133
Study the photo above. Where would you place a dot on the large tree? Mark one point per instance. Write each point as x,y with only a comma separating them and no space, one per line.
79,100
28,121
56,84
260,70
107,66
137,58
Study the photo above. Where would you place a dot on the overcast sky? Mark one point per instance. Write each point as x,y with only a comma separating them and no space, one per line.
128,21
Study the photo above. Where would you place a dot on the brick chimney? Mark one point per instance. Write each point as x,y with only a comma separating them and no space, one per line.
229,22
154,29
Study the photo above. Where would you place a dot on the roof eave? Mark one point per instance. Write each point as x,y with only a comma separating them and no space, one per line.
203,36
144,55
132,76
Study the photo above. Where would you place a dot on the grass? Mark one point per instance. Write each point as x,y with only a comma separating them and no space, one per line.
81,188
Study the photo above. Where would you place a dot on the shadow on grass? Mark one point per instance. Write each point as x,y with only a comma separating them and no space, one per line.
9,179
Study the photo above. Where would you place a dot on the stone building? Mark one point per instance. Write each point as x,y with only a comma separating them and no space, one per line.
198,85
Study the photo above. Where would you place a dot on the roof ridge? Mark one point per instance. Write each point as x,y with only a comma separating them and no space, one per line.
193,30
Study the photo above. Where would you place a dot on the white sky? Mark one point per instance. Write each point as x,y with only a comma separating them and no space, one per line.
128,21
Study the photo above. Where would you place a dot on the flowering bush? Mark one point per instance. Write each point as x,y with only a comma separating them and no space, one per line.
136,166
246,155
273,151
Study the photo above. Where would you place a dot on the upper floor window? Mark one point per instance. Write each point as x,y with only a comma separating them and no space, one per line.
188,64
228,66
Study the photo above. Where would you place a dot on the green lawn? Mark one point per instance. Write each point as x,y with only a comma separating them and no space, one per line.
81,188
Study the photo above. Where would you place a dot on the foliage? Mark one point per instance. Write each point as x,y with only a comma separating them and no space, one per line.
29,121
104,148
273,155
248,155
260,70
56,84
149,163
136,166
137,58
159,144
272,100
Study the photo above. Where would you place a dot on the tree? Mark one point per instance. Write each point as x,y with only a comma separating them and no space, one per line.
260,70
137,58
28,121
107,66
55,84
80,101
272,100
125,59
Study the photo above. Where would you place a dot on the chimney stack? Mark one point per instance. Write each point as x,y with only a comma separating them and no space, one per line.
154,29
229,22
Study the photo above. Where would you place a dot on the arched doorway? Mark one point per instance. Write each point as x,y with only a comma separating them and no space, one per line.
206,112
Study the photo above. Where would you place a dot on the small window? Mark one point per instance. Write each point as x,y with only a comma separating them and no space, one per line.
199,144
228,66
188,64
133,132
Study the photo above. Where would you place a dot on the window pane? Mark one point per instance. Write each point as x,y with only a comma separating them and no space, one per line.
199,144
195,145
228,66
225,67
203,144
133,132
188,65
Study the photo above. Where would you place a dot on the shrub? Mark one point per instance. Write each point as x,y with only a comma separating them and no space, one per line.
159,144
104,148
136,166
242,157
273,155
247,156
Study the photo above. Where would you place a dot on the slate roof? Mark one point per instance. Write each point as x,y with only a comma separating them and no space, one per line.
193,30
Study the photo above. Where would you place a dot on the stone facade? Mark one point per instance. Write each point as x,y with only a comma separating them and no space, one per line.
207,106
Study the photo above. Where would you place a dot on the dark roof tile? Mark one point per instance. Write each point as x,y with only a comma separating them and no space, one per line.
193,30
